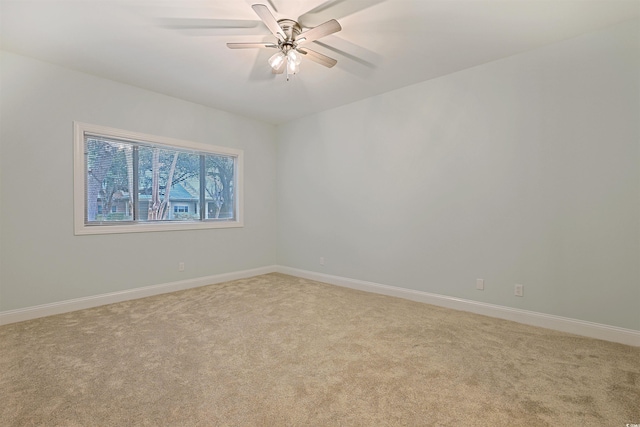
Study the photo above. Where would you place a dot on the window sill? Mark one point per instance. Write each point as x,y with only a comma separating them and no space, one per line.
82,229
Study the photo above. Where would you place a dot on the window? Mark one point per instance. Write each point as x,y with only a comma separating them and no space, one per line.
131,182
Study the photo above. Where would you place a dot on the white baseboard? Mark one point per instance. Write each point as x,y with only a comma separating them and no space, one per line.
558,323
19,315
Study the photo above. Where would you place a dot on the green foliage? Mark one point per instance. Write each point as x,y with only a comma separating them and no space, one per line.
110,178
219,184
187,166
108,170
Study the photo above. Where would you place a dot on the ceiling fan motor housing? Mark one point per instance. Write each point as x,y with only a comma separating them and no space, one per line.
291,30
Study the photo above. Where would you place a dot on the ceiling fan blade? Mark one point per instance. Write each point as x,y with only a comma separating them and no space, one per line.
250,45
318,57
362,64
205,23
263,12
329,27
334,9
362,56
273,6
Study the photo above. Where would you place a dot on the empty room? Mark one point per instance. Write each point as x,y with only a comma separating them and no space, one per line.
319,212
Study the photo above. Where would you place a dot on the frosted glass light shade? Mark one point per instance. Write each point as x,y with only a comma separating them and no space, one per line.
294,56
292,66
276,60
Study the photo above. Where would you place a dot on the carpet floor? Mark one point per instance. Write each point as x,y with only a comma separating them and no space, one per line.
277,350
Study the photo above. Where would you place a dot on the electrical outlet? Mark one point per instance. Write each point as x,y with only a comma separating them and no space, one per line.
181,266
518,290
480,284
321,260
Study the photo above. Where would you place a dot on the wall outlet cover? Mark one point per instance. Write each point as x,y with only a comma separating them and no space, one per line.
519,290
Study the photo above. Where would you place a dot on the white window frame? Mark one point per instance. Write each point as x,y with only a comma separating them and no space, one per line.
80,191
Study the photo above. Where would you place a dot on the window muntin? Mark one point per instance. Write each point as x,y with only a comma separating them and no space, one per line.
129,182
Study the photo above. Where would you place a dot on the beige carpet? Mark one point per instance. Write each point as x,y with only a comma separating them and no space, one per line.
276,350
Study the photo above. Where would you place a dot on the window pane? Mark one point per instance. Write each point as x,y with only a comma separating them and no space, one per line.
131,182
168,178
219,183
108,180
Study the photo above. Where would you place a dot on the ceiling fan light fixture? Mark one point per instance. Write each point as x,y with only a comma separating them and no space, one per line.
292,65
276,60
294,56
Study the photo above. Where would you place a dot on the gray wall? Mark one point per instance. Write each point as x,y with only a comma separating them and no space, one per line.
524,170
41,259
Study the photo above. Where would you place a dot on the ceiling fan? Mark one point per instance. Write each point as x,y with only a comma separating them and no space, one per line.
290,42
292,37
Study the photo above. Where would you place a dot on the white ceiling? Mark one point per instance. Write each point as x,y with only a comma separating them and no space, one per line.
384,44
